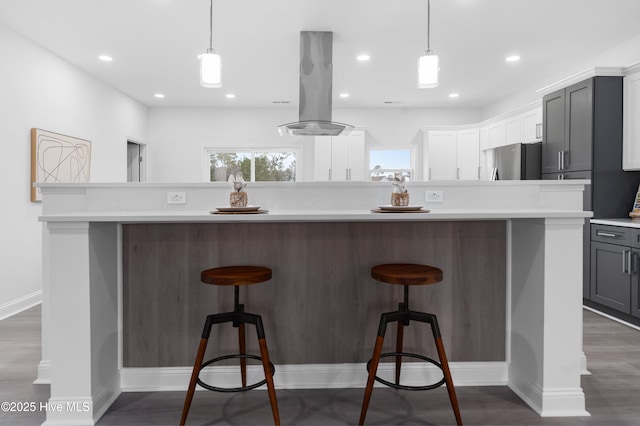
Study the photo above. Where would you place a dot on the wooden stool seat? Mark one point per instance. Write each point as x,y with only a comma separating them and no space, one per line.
406,274
236,275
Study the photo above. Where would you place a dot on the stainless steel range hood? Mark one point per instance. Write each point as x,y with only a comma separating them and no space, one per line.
316,50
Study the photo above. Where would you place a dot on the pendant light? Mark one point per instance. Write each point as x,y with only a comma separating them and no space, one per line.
210,64
428,68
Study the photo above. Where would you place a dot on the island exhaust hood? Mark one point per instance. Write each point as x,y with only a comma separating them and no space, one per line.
316,50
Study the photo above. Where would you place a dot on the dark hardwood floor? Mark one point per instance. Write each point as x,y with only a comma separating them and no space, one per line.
612,392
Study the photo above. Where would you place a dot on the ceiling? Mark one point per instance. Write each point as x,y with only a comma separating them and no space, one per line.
155,44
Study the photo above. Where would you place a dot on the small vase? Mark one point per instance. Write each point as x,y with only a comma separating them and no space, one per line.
238,199
400,199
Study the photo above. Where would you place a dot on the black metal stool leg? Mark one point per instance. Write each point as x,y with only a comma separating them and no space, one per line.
399,336
241,335
242,351
196,371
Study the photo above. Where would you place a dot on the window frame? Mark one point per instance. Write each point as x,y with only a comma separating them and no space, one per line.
209,150
410,170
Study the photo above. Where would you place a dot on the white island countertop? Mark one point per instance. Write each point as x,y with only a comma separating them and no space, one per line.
309,216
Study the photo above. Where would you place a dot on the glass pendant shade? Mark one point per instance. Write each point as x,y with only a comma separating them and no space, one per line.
210,70
428,69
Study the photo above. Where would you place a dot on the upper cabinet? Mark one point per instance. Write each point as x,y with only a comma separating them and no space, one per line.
568,128
452,154
340,158
631,123
468,154
523,127
532,125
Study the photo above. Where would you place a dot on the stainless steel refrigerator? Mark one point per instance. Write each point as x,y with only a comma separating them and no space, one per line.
519,161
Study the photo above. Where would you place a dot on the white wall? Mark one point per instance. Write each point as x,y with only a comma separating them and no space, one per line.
178,135
622,55
38,89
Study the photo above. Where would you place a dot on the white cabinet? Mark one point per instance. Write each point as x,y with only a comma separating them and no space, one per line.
513,130
441,155
522,128
497,134
340,158
484,138
532,125
322,158
631,123
468,154
452,154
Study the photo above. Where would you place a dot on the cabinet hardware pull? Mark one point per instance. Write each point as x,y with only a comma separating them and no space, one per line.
629,263
458,173
624,261
559,160
429,173
479,174
346,174
607,234
329,174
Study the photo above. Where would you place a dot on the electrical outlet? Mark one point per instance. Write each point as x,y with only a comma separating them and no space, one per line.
176,198
434,196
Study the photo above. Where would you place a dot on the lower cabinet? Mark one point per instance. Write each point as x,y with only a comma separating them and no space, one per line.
615,268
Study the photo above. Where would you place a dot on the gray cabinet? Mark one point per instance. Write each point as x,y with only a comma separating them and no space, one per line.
582,139
553,107
615,268
568,116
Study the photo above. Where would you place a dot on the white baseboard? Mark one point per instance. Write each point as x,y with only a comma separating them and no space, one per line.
313,376
21,304
44,373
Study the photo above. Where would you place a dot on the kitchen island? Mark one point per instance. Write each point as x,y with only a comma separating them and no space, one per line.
120,264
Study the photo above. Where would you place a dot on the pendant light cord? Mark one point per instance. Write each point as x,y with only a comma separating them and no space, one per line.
428,25
210,25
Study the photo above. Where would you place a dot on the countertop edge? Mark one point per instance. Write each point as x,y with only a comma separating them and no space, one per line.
309,216
624,222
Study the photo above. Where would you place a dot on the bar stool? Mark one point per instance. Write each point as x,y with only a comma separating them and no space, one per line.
407,275
235,276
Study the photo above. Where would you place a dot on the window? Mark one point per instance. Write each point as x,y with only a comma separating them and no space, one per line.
255,165
384,163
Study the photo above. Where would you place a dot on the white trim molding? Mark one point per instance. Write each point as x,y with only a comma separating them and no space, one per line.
20,304
581,76
313,376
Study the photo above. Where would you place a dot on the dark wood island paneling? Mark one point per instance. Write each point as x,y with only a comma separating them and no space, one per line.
322,306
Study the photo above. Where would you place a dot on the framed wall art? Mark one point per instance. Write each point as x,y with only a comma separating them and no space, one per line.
57,158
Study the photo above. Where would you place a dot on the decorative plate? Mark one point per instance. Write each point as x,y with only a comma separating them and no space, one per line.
238,209
389,207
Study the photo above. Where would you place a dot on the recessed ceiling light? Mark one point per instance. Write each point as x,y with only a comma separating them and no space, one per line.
230,96
344,95
453,95
363,58
105,58
514,58
159,95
